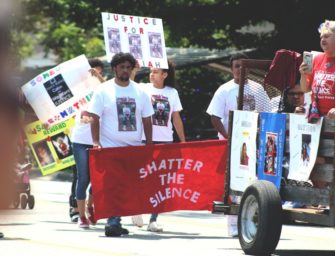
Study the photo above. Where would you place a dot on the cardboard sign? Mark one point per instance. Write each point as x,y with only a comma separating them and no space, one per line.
143,37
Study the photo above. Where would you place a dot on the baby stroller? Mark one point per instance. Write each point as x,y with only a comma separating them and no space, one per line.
22,194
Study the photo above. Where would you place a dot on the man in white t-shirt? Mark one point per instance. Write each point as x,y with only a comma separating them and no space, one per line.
226,97
120,111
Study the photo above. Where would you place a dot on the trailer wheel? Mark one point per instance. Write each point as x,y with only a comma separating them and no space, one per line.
260,218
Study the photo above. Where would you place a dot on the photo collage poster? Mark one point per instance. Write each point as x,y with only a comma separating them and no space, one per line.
271,147
304,144
57,94
51,147
243,150
143,37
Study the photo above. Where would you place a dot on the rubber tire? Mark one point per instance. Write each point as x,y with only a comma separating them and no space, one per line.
24,201
31,202
16,201
269,218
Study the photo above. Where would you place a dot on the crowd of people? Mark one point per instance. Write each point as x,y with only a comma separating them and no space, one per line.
125,113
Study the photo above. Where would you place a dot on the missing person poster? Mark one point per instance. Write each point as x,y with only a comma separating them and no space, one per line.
51,146
58,93
271,147
304,144
143,37
243,150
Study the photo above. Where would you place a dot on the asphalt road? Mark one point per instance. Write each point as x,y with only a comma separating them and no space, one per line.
47,230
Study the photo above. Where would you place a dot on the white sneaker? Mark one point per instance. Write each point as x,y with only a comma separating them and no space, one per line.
153,227
137,220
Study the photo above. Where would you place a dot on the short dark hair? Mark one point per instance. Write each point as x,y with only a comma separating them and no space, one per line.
94,63
171,76
121,58
237,56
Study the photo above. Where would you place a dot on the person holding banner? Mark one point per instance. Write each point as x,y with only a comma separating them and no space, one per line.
108,118
81,142
167,106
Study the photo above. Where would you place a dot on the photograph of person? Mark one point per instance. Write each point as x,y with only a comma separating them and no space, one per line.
305,149
43,153
155,42
62,145
114,40
244,159
135,47
270,154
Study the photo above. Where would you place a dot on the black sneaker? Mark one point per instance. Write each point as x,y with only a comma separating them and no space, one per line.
115,231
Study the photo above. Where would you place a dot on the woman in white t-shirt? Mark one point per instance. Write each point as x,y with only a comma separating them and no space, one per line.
167,106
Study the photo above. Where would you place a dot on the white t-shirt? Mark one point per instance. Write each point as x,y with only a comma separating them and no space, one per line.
121,110
226,97
81,132
165,101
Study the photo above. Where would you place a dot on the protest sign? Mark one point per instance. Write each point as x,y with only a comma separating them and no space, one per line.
57,94
143,37
304,144
271,147
243,150
51,147
159,178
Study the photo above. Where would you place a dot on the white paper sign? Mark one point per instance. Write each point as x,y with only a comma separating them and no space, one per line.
57,94
304,144
243,150
143,37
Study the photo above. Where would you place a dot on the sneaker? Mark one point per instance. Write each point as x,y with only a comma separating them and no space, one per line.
83,222
153,227
137,220
115,231
75,217
91,218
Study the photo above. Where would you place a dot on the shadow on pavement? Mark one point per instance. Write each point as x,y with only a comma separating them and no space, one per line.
303,253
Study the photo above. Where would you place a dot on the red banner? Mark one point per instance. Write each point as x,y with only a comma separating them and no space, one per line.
157,178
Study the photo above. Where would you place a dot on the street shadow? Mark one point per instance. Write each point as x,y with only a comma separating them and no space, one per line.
162,236
82,230
303,253
13,239
16,224
204,215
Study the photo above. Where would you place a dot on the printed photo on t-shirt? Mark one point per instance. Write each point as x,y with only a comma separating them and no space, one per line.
135,47
58,90
126,109
162,108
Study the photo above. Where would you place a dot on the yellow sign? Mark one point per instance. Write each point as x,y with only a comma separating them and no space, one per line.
51,146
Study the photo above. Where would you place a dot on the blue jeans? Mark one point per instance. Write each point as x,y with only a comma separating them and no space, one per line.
80,153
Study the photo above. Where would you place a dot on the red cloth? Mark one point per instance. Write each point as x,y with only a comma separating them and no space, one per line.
185,176
284,69
323,82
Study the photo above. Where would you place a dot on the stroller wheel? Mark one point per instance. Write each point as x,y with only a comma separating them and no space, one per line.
24,201
31,202
16,201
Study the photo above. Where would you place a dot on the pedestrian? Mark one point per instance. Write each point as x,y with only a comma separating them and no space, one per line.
167,106
81,142
224,100
226,97
112,126
320,80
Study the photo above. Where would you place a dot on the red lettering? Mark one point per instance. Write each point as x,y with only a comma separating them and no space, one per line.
150,64
51,72
50,121
141,31
145,20
39,79
76,105
116,17
131,19
125,29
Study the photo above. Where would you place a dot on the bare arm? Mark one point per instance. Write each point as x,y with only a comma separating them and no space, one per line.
147,127
218,125
95,130
97,75
178,125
